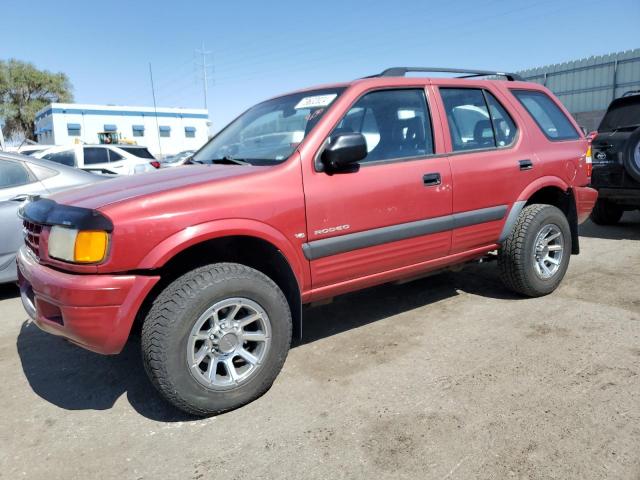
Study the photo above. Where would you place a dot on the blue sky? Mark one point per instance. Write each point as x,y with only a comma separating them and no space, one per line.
260,49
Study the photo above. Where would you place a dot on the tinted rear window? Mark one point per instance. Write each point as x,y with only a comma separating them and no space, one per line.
622,113
551,120
65,158
138,152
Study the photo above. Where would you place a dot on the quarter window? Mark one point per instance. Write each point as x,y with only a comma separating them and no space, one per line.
476,119
42,173
549,117
395,124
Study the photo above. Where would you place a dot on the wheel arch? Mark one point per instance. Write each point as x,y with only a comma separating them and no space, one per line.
260,249
550,191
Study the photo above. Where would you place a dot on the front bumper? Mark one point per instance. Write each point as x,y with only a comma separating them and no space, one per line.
585,201
93,311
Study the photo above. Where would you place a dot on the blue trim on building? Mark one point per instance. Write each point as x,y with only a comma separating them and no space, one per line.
137,128
110,127
164,128
73,126
190,129
124,113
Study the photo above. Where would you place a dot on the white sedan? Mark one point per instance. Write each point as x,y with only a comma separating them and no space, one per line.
103,159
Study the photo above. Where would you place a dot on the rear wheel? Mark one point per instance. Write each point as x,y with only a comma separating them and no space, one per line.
535,256
606,213
631,155
216,338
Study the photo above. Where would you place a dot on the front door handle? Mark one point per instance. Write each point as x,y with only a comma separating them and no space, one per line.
431,179
525,164
21,197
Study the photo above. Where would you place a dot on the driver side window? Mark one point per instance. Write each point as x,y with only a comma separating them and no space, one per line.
395,124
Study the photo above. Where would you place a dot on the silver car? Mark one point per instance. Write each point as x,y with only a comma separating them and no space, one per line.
21,176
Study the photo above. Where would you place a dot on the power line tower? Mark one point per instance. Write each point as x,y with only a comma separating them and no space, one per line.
207,73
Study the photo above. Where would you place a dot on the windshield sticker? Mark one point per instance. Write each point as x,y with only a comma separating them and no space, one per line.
314,114
316,101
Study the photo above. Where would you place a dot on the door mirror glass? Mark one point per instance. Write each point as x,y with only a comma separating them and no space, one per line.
343,152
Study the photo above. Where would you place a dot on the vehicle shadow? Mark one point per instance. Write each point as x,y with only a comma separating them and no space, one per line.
9,290
75,379
627,229
357,309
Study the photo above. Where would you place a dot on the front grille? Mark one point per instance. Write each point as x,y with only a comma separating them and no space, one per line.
32,236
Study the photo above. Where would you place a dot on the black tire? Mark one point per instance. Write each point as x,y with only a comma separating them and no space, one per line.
606,213
167,328
516,258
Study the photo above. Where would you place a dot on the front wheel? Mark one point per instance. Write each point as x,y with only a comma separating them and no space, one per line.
535,256
216,338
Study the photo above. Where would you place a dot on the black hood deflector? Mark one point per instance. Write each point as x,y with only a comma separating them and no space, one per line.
47,212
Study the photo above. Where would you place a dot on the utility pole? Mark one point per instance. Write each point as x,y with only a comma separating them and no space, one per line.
205,73
155,109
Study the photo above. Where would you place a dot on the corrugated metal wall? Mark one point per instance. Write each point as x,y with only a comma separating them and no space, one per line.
589,84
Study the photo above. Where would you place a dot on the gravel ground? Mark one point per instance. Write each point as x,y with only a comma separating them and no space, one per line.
449,377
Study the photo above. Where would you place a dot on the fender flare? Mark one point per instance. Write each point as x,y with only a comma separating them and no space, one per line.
540,183
523,198
192,235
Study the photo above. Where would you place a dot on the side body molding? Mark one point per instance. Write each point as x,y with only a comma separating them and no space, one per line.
378,236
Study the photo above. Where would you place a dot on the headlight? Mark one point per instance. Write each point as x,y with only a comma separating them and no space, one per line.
78,246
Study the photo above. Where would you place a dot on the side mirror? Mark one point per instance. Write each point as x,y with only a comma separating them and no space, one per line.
343,152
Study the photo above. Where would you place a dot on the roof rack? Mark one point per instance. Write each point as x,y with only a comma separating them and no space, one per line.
465,73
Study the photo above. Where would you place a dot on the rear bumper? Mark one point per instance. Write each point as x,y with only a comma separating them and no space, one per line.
629,196
93,311
585,201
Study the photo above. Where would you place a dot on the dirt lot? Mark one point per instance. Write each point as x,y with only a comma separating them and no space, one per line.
447,377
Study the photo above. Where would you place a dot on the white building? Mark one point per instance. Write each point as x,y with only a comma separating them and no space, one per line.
165,132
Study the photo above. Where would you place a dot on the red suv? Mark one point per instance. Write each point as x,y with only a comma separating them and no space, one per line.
303,197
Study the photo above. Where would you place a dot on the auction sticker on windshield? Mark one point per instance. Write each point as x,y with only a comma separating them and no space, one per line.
316,101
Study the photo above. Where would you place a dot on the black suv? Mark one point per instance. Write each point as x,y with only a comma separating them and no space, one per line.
616,160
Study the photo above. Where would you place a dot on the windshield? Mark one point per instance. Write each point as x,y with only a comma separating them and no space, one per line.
268,133
623,112
138,152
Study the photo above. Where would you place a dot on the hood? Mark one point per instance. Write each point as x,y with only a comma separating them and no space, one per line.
135,186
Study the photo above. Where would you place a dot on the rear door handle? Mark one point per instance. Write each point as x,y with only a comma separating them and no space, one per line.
430,179
525,164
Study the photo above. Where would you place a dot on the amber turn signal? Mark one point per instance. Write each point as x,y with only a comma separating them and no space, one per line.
90,246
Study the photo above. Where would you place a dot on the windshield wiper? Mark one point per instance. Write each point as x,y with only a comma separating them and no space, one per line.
229,160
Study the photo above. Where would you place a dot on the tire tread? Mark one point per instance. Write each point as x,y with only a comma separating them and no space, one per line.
512,259
165,312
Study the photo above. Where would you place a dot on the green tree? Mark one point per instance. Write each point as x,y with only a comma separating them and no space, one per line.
23,91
